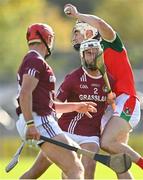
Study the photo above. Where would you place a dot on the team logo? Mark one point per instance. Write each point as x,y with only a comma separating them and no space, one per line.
105,89
126,114
83,86
127,111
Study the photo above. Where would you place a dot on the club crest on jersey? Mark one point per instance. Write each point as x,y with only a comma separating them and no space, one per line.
83,86
105,89
52,79
127,111
126,114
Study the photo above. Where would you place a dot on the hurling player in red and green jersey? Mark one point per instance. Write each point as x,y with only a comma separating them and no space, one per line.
116,124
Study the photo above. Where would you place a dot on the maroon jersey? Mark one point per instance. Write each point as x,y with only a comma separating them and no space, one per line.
80,86
34,65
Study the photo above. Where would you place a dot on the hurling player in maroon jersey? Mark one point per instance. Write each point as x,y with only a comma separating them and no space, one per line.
36,105
126,116
85,84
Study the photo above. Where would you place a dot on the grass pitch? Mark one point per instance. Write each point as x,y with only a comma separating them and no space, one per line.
54,172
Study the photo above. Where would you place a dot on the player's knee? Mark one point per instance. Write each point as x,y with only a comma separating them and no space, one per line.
76,169
105,144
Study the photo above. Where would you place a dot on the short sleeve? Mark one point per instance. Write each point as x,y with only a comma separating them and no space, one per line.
65,89
34,67
117,44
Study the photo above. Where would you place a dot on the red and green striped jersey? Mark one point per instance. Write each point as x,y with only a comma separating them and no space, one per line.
118,65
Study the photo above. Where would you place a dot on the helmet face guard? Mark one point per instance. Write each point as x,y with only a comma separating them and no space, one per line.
38,33
95,48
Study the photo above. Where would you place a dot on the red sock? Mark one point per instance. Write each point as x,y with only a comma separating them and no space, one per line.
140,162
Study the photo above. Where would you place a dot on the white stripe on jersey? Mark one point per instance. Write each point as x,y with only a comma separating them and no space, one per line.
32,72
74,122
83,78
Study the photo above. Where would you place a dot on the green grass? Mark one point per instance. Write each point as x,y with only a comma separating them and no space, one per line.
54,172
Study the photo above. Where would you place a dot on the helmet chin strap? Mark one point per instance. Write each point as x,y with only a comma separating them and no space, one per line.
43,40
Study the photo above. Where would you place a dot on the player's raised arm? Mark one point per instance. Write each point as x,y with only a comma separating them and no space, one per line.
105,30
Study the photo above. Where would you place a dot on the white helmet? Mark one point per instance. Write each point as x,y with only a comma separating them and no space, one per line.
83,27
90,44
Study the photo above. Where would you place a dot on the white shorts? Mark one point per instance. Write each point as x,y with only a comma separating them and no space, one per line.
47,126
83,139
127,107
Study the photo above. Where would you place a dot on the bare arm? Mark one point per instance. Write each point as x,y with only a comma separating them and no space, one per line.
82,107
28,85
104,28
